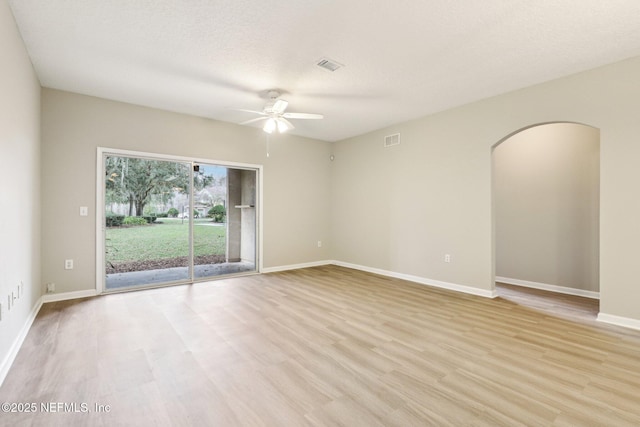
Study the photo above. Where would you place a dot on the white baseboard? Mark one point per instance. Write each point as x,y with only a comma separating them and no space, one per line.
627,322
421,280
547,287
17,343
416,279
296,266
69,295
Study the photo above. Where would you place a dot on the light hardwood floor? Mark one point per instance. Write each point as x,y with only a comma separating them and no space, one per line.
327,346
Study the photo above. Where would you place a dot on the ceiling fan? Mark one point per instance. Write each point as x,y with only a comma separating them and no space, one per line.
275,116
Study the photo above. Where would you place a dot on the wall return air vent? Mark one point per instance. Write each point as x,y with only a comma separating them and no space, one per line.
391,140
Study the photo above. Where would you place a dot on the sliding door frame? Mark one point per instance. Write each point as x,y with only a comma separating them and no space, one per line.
102,152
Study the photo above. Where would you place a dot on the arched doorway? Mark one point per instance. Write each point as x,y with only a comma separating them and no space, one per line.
545,204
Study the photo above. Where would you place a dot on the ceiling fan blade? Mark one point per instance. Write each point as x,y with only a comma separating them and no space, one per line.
302,116
291,126
279,106
262,113
254,120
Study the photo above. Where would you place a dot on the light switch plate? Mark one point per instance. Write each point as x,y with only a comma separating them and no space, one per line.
84,211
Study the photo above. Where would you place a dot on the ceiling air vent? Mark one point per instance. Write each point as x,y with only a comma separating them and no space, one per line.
391,140
328,64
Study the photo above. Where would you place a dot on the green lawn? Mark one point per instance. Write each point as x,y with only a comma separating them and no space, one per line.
169,239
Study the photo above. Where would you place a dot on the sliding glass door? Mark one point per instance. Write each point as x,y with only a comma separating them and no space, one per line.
169,222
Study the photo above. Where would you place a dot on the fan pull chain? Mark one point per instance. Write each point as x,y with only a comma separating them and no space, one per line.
268,144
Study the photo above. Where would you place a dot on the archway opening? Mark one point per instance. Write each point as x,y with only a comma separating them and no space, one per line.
545,209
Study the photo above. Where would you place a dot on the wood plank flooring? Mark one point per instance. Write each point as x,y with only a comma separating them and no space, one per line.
560,305
326,346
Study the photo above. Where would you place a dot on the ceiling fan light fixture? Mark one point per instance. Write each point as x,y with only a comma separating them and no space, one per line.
270,125
282,126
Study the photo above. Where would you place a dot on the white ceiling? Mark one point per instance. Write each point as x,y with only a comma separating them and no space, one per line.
403,59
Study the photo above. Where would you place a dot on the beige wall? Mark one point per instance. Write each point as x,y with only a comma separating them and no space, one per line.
20,177
296,194
546,205
402,208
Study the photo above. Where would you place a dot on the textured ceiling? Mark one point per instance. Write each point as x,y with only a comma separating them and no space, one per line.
403,59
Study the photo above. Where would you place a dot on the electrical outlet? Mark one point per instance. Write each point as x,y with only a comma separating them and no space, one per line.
51,287
68,264
447,258
319,243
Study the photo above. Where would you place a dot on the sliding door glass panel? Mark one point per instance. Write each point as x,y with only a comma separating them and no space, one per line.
147,229
209,222
224,231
